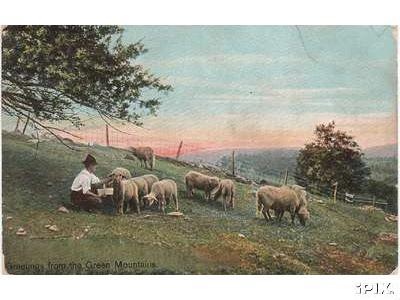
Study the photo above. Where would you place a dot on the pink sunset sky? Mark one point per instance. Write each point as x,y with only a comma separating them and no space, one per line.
164,135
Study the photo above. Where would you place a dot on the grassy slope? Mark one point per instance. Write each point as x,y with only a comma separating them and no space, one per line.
205,241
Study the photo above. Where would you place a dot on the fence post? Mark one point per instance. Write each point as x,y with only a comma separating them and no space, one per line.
179,150
373,201
107,137
286,177
233,163
17,125
37,143
26,124
335,192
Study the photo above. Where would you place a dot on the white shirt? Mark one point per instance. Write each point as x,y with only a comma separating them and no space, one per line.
83,181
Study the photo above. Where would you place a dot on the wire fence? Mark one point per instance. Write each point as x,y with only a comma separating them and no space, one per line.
136,136
322,193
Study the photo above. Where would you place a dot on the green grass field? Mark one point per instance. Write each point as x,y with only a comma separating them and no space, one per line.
205,241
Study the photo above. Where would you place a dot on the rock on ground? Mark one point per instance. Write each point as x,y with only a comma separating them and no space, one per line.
63,209
175,214
21,231
53,228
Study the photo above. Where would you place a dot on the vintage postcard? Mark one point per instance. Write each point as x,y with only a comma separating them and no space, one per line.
199,149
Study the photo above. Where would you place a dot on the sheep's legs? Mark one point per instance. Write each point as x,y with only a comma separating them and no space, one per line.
120,208
280,215
189,192
292,216
161,204
176,202
137,202
265,216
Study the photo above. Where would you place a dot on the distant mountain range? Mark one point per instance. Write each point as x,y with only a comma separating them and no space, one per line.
389,150
213,156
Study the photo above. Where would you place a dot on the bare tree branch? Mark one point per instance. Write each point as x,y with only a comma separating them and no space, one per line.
109,124
65,131
48,129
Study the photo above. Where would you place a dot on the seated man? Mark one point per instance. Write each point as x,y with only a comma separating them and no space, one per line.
84,185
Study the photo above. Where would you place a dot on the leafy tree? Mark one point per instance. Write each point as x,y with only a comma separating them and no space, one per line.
334,156
52,73
383,191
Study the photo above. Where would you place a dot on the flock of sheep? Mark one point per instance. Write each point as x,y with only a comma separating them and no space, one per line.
147,190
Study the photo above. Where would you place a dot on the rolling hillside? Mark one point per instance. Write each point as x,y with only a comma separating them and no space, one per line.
270,163
339,239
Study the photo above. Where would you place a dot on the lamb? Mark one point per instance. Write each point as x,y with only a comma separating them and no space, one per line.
143,187
161,192
196,180
281,199
150,179
144,155
226,189
125,190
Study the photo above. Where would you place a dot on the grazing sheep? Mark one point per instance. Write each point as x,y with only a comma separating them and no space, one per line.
150,179
125,190
281,199
144,155
301,191
161,192
143,187
196,180
226,189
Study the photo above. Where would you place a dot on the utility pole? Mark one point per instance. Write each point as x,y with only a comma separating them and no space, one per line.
233,163
107,137
178,153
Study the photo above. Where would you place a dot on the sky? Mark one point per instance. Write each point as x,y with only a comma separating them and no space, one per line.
265,86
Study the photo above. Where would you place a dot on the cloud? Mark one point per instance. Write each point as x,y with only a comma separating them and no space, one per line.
322,96
225,60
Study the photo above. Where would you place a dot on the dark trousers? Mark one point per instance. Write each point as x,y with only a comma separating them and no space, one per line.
84,201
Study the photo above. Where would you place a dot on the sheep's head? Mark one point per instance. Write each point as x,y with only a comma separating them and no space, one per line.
117,178
149,199
133,150
213,182
116,184
304,215
303,196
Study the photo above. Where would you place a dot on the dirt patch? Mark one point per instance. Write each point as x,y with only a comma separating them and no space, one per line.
231,251
336,261
387,238
240,254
